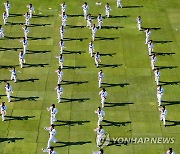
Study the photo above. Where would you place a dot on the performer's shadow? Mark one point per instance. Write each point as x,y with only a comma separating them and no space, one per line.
116,104
173,123
71,123
113,123
18,118
17,99
64,100
65,144
115,84
10,139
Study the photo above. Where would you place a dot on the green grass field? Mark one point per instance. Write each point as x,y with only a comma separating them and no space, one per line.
131,108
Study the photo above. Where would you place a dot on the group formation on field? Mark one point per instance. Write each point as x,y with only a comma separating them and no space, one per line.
100,132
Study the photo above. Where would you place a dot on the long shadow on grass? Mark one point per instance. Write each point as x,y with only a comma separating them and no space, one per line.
71,123
162,42
117,142
115,84
166,67
152,28
66,144
73,67
38,25
73,82
15,15
112,66
7,49
38,38
42,16
111,27
18,118
10,139
2,96
17,99
35,65
13,38
27,80
113,123
75,39
75,26
15,23
73,52
106,38
135,6
168,103
75,15
4,80
165,53
169,83
116,104
81,100
124,16
37,51
7,66
174,123
107,54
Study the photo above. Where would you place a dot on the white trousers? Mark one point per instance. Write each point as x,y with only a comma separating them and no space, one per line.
50,140
59,97
163,118
53,119
89,23
25,35
59,79
93,36
21,61
30,13
99,120
61,64
97,62
98,140
5,21
102,101
85,14
8,96
24,49
3,113
100,81
91,51
27,21
107,13
150,50
64,23
7,12
157,80
139,26
159,97
152,64
99,24
147,39
62,35
119,4
13,77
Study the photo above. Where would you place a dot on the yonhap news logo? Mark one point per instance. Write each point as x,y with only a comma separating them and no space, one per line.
107,140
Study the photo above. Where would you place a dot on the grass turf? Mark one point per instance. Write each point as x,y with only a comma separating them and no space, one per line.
131,110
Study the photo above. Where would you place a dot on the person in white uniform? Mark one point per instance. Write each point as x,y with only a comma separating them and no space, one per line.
153,61
64,19
107,10
100,132
13,74
150,47
53,111
59,91
91,48
60,75
61,60
100,21
148,33
100,77
31,10
1,31
26,31
163,114
85,9
89,20
63,7
119,3
7,7
52,133
61,45
97,59
24,41
27,17
157,75
21,59
3,109
49,150
62,31
170,151
5,17
160,92
100,114
8,89
103,93
101,151
94,30
139,23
